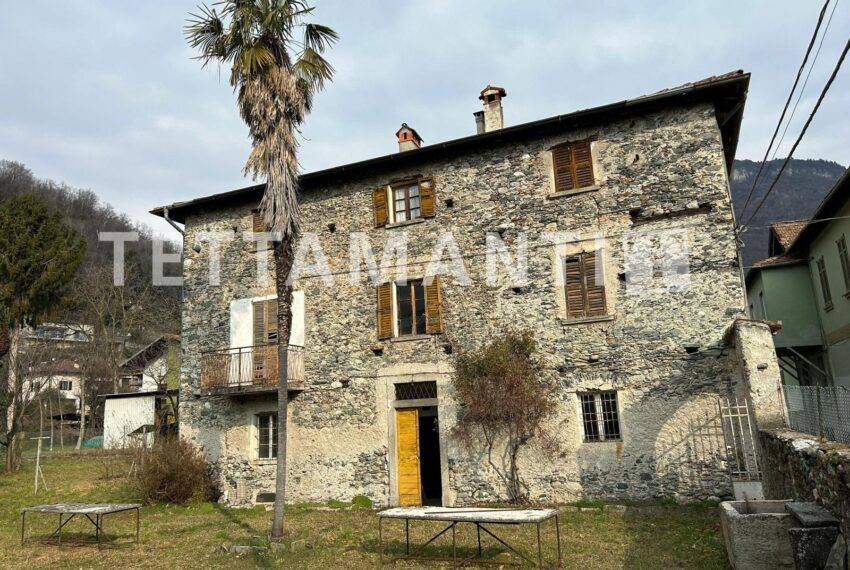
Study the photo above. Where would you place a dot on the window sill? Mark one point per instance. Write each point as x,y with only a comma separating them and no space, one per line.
602,319
403,224
411,338
603,440
565,193
261,462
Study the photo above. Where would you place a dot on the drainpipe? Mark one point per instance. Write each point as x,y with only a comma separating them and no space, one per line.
170,221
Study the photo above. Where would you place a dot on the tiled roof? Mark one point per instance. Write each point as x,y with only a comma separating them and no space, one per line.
777,260
787,232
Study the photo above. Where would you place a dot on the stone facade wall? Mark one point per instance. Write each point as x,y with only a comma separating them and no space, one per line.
663,351
798,467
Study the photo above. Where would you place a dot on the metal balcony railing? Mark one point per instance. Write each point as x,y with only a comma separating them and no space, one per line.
250,368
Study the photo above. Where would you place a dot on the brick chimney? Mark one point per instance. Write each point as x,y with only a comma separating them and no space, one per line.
493,118
408,138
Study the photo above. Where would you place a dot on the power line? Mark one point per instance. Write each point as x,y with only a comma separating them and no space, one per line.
805,82
785,108
802,133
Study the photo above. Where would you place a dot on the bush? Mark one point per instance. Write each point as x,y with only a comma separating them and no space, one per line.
173,471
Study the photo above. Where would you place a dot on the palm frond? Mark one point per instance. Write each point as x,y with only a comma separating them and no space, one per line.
312,68
319,37
205,32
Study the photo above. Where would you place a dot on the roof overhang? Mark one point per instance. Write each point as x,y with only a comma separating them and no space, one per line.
834,201
728,94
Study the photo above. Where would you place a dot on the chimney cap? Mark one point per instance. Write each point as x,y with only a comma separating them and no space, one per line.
405,128
492,93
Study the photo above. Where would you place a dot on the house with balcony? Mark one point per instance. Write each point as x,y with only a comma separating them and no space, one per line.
631,286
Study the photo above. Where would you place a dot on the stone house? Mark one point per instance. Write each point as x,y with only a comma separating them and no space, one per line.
631,303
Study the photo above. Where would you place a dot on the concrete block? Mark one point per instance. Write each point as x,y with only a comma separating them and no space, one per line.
756,534
811,546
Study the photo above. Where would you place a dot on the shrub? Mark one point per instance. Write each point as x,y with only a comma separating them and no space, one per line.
361,502
173,471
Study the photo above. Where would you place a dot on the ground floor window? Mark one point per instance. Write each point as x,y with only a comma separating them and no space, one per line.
266,436
600,416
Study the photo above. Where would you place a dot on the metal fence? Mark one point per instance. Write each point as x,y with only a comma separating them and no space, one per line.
823,411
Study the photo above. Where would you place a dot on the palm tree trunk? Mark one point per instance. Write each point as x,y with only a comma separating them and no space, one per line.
283,254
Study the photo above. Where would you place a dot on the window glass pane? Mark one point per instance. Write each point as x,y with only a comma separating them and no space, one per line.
414,203
401,214
610,420
419,296
414,191
405,309
415,213
588,412
399,193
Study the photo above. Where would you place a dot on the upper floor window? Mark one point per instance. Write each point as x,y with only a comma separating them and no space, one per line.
66,385
404,201
409,308
824,284
584,286
600,416
573,166
845,261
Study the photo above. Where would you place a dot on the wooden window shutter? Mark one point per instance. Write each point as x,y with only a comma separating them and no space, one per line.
573,166
594,284
265,322
427,197
379,202
257,223
259,323
433,307
585,294
385,310
575,287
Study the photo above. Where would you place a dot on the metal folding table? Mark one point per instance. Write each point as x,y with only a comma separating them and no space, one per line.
68,511
475,516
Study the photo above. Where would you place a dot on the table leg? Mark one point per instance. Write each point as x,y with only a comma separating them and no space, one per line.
60,529
97,520
23,525
137,526
539,550
381,539
454,545
407,537
478,530
558,538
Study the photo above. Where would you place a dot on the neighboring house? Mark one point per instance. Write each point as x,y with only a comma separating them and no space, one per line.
154,367
146,404
53,350
630,308
805,285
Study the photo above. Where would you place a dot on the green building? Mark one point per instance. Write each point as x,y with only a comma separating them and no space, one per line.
805,286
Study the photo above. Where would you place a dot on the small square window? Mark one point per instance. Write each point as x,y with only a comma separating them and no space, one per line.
406,205
600,416
66,385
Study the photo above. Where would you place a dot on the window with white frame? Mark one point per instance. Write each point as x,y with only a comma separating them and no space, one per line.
600,416
66,385
266,425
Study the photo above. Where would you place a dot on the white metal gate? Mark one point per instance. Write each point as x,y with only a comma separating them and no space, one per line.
741,452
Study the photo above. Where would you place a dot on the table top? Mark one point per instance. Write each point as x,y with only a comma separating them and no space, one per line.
82,508
470,514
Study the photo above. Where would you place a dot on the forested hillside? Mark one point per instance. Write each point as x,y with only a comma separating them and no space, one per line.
802,187
88,215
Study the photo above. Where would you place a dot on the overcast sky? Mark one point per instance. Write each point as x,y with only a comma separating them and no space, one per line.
103,94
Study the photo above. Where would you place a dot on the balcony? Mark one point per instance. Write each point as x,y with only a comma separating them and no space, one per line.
249,370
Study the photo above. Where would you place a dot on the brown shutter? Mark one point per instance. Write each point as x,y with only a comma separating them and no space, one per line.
573,166
385,310
562,162
379,201
574,285
271,320
594,284
433,307
259,322
427,197
582,165
257,222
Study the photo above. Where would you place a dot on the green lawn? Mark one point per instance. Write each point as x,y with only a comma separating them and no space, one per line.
191,537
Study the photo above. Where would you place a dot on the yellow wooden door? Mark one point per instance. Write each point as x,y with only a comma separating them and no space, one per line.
407,454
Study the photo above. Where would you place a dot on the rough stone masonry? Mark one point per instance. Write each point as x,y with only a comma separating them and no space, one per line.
659,171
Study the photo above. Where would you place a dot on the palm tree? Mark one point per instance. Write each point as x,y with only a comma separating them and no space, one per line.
276,66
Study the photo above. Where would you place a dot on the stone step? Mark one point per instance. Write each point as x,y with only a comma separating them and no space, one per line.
811,514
